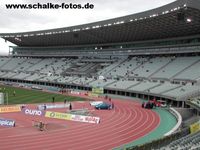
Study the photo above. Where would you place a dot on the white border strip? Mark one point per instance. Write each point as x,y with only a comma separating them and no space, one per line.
179,119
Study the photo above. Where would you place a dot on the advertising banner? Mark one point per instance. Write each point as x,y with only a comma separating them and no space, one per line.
33,112
6,122
58,115
51,106
88,119
90,94
98,90
66,116
75,92
10,109
195,127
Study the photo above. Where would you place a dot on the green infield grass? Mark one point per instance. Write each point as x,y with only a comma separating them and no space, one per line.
27,96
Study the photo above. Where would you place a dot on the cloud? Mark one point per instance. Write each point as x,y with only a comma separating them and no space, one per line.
28,20
31,20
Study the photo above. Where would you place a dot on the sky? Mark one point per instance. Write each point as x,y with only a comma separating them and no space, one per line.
19,20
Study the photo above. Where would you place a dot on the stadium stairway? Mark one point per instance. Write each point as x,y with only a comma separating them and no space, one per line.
115,65
149,89
110,83
174,76
133,85
75,78
138,66
36,64
90,81
3,74
170,89
17,65
6,62
13,76
150,76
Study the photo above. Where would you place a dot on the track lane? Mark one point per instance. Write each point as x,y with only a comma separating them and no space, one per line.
117,127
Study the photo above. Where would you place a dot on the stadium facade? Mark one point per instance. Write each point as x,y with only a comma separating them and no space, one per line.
153,54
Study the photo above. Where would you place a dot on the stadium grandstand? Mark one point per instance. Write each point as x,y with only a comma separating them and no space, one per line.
150,55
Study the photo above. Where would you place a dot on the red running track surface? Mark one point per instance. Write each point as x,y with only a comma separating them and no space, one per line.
124,124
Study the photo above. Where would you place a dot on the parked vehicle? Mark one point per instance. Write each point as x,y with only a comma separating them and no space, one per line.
103,106
151,103
148,105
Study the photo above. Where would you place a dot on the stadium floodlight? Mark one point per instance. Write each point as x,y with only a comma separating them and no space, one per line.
18,39
74,30
189,20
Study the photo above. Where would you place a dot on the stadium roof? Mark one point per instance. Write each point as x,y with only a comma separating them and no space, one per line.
177,19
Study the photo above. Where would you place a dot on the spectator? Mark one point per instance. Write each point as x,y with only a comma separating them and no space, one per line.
41,126
14,93
70,106
23,106
112,105
65,101
53,99
106,97
45,107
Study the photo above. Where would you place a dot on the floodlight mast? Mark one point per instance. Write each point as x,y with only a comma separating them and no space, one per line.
7,98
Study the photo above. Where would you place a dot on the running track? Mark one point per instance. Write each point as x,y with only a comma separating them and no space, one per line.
126,123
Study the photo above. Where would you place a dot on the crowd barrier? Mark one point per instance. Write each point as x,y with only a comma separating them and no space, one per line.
7,122
57,115
8,109
72,117
179,121
87,119
51,106
33,112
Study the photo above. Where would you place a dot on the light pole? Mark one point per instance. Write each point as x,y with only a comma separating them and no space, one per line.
7,98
